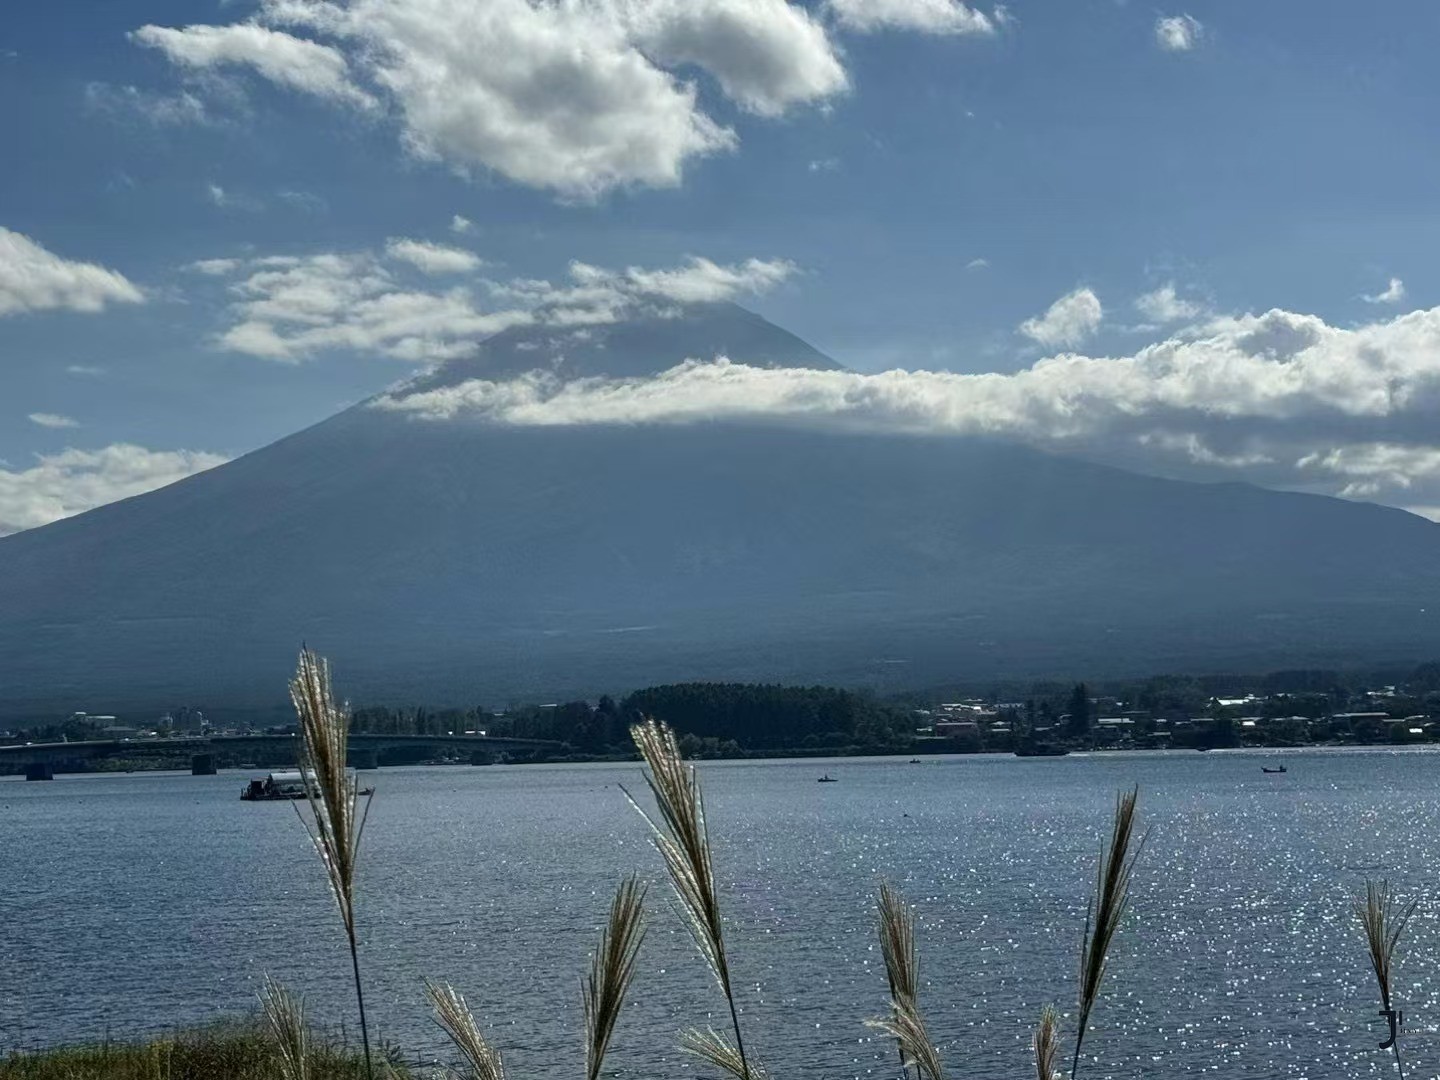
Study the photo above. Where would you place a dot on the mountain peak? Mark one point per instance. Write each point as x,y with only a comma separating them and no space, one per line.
638,345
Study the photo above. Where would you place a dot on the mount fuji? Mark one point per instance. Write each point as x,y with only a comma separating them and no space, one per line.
465,560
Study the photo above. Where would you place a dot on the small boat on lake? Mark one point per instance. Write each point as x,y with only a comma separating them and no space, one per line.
1266,768
282,786
827,779
1040,750
916,761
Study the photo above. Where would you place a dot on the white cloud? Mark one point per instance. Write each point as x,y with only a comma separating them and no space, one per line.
824,165
549,96
460,224
767,55
432,258
329,302
1068,321
215,267
306,201
1163,305
978,264
34,279
1178,33
163,110
226,199
1393,293
925,16
85,370
699,280
291,62
578,97
1281,399
1375,468
52,420
72,481
289,308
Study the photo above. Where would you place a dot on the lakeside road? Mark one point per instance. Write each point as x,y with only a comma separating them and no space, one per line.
135,903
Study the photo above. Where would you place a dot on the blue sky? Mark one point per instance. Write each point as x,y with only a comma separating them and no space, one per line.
931,176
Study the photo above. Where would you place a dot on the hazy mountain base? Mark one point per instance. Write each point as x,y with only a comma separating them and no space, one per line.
471,563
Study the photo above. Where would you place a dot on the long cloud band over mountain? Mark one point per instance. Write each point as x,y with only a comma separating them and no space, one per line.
1281,399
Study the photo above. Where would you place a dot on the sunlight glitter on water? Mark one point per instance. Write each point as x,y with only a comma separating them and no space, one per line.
135,903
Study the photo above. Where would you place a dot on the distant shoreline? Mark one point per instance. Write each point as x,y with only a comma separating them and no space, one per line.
160,765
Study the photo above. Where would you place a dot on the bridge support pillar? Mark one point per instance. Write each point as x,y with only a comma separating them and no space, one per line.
202,765
39,770
364,759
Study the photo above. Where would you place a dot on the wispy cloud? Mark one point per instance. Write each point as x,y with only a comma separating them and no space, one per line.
1068,321
1178,33
34,279
215,267
226,199
52,420
307,201
73,481
432,258
923,16
164,110
1164,305
291,307
1394,293
290,61
461,225
1281,399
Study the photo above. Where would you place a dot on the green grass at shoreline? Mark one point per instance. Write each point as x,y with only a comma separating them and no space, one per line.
231,1050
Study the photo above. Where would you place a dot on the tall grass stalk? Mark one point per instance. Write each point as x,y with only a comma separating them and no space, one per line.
337,821
902,971
1103,915
1046,1043
286,1015
1383,919
681,837
455,1017
612,968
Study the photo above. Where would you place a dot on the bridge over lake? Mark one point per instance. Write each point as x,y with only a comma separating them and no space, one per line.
40,761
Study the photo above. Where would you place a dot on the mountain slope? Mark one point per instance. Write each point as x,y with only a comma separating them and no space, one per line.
463,561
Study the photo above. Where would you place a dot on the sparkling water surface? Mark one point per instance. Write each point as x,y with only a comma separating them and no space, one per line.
131,904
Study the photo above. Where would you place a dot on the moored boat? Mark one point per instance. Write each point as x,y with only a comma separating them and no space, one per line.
1041,750
282,786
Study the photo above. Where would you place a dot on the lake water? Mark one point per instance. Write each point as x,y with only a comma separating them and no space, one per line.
130,904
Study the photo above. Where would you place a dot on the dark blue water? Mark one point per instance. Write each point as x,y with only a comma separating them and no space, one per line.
130,904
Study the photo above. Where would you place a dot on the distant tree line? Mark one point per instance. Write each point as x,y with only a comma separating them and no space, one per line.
765,716
713,719
719,719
